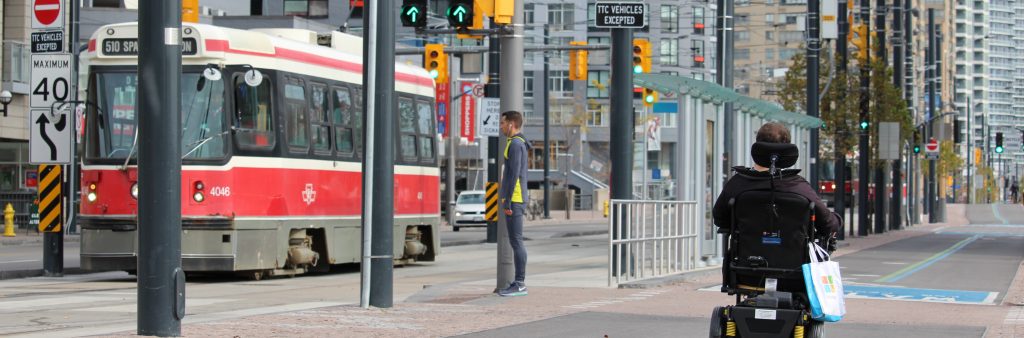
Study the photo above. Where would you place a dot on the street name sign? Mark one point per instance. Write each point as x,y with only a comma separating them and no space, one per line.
621,15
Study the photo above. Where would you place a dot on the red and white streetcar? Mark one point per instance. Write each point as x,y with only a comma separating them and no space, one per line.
271,152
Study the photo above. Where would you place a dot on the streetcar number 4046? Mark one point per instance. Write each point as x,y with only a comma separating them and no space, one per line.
220,191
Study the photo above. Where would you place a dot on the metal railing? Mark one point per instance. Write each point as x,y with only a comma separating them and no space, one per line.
650,239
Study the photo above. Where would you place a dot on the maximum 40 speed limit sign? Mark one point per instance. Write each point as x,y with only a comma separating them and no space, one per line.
51,79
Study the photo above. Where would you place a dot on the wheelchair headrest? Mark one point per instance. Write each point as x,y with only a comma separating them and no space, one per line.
786,154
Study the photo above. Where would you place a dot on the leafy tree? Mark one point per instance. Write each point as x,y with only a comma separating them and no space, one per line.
838,105
887,105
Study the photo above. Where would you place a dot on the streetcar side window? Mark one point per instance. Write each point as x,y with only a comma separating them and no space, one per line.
296,124
320,118
407,129
357,119
425,115
255,119
343,120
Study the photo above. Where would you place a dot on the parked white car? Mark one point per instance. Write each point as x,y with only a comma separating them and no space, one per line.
469,209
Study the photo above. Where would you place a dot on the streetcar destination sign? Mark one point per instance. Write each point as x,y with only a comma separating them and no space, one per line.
129,47
621,15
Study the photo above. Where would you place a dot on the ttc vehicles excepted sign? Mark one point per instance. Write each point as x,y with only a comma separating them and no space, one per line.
621,15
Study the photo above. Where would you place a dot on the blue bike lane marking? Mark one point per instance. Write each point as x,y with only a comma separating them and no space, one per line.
920,295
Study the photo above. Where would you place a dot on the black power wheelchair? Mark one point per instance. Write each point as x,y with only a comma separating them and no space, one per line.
765,247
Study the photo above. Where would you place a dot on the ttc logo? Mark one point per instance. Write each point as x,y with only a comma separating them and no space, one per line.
309,195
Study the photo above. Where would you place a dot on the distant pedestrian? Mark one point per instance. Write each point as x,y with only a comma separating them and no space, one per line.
1013,192
514,197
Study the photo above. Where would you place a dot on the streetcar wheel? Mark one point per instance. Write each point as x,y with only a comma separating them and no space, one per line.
257,275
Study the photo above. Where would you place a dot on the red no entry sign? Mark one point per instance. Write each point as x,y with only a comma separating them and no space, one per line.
931,146
46,13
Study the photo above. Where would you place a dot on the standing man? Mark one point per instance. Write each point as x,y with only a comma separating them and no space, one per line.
1013,192
514,196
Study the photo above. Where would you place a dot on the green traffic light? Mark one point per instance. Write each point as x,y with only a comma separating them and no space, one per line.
864,125
649,98
433,73
638,69
999,150
917,149
413,14
460,14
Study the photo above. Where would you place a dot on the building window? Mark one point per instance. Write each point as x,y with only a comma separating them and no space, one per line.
597,114
742,54
597,83
670,18
306,8
742,36
598,57
528,10
528,84
697,47
769,35
560,16
769,54
698,20
559,81
669,52
561,113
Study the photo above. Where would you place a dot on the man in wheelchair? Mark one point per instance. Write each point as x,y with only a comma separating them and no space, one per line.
769,215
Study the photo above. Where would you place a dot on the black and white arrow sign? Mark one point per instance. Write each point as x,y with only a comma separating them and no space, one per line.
50,138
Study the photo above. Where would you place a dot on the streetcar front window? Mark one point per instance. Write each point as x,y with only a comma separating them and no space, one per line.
203,130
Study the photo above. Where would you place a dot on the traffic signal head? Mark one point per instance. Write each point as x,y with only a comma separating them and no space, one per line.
414,13
460,14
999,143
578,61
650,97
917,148
641,56
435,61
864,125
859,37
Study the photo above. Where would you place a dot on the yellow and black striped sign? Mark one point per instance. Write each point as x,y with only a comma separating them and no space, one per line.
492,202
49,198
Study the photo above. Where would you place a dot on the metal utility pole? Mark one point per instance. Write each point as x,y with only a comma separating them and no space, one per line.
492,89
72,207
880,174
547,132
908,95
863,147
161,282
840,161
970,154
813,50
940,206
726,46
378,164
933,215
895,214
621,93
511,99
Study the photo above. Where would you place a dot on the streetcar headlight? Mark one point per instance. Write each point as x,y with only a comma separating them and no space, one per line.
199,185
833,186
135,190
91,196
198,196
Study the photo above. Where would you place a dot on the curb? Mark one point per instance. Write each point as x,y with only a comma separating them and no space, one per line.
26,240
15,274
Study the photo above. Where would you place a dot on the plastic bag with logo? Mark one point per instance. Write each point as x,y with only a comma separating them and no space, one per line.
824,286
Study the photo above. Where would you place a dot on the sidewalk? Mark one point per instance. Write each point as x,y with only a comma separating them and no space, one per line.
468,307
29,237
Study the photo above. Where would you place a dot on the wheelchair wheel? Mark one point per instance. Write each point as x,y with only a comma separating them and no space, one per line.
717,322
815,329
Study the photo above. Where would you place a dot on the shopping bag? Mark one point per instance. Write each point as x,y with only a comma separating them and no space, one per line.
824,286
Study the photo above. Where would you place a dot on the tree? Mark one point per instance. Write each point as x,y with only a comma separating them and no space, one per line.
887,105
838,104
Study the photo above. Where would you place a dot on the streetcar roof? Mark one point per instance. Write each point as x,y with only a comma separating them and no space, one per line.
291,50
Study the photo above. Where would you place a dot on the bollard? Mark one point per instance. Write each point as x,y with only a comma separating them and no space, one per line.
9,221
606,209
